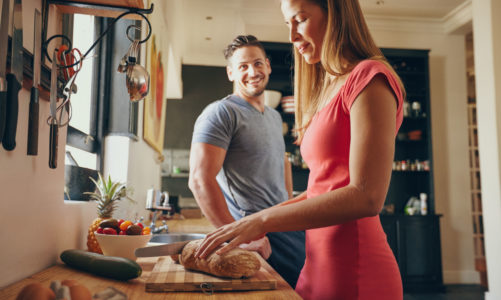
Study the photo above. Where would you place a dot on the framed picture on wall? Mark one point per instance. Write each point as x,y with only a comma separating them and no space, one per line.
156,64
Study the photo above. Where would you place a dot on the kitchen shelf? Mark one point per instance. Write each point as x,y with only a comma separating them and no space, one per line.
298,169
105,8
411,216
415,240
288,117
414,118
411,141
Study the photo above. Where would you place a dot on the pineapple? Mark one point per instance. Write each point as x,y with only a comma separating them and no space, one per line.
107,194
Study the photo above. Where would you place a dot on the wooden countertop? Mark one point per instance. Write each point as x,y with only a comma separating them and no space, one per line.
201,225
135,289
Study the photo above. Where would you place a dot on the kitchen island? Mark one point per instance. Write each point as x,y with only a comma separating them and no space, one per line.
135,289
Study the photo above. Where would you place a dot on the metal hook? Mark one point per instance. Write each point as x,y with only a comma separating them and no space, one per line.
127,32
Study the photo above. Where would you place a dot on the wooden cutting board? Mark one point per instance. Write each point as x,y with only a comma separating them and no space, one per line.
167,276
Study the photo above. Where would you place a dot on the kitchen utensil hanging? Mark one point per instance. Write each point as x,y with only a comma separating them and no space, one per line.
62,57
69,71
137,79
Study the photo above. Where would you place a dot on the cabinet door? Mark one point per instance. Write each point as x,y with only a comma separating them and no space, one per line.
390,227
421,262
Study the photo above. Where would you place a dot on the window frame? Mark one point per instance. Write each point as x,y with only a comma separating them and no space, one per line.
108,92
92,142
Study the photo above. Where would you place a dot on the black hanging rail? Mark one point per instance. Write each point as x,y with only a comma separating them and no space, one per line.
102,6
125,11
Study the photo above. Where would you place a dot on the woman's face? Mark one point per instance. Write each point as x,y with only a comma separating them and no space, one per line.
307,23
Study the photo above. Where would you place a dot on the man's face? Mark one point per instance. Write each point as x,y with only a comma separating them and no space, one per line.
250,70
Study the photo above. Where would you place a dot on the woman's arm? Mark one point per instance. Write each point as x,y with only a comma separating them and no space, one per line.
373,119
298,198
288,176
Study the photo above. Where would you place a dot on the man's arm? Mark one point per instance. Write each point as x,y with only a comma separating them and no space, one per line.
288,176
205,162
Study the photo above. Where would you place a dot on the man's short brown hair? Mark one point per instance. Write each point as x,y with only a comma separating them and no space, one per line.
242,41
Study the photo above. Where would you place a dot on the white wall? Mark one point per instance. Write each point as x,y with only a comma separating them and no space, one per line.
487,45
142,170
36,223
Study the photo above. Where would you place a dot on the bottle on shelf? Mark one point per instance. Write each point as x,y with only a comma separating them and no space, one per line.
416,109
423,197
406,109
411,165
412,206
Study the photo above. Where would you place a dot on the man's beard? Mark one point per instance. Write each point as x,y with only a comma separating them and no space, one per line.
255,92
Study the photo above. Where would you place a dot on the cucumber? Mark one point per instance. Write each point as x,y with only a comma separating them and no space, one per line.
107,266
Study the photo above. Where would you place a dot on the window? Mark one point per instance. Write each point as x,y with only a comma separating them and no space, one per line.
83,110
83,146
101,105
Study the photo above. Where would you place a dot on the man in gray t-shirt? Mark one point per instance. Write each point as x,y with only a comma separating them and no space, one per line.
237,158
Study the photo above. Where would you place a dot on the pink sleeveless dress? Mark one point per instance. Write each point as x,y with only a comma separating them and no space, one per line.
352,260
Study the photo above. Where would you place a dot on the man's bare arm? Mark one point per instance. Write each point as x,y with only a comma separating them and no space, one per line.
205,162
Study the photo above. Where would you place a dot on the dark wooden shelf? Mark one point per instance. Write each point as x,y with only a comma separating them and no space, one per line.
412,172
408,216
299,169
421,118
415,240
411,141
287,117
100,8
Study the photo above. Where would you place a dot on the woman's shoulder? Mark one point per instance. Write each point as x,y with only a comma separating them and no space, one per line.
369,66
363,73
367,69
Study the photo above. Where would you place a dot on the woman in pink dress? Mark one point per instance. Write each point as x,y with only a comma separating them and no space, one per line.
348,111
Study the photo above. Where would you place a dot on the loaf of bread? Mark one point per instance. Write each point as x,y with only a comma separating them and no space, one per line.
236,263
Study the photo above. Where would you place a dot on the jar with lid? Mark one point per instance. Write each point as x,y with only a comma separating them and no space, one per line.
403,165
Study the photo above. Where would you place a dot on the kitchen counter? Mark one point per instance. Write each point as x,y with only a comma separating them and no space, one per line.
201,225
135,289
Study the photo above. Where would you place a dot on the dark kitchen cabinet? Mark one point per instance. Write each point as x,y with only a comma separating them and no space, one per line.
421,259
415,240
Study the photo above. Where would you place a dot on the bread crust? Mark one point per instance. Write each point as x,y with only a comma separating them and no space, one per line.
236,263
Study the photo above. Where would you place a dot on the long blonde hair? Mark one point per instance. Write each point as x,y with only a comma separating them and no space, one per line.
346,42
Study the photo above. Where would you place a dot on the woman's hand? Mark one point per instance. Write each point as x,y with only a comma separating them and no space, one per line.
261,246
239,232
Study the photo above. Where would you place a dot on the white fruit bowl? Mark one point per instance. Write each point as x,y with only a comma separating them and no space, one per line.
121,245
272,98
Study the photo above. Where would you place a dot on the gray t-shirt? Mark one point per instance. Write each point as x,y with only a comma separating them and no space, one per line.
252,176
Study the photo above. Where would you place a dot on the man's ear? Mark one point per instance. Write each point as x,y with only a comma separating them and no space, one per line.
269,65
229,72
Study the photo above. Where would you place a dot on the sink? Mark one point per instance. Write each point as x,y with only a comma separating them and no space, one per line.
168,238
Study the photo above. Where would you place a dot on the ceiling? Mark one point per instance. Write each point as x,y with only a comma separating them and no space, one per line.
410,8
209,25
